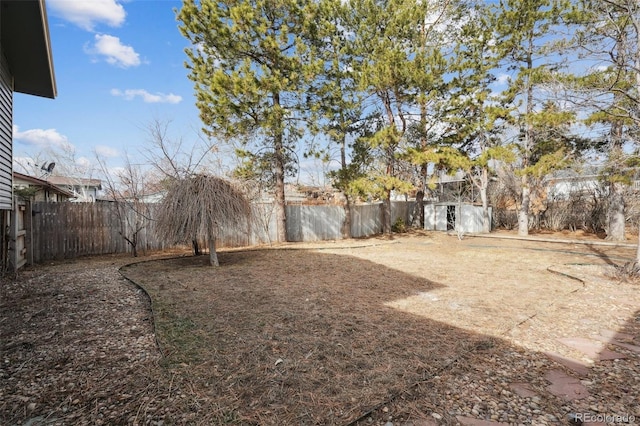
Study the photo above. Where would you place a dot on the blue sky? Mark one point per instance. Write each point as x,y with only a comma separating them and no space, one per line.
119,65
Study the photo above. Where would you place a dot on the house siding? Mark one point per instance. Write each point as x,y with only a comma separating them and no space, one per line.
6,134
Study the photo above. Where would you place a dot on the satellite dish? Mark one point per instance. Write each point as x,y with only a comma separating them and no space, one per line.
47,169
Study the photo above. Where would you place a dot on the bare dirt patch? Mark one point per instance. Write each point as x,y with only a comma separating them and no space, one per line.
420,329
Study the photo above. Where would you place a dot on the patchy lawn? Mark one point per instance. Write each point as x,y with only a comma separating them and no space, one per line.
403,329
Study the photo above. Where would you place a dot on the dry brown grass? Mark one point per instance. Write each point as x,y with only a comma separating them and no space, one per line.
329,333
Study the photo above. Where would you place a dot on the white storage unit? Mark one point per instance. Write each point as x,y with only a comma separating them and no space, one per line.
453,216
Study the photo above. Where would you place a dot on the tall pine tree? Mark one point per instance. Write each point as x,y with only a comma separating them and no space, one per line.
250,62
524,28
474,112
607,38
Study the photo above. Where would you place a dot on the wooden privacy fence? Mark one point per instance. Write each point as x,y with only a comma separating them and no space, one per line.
69,230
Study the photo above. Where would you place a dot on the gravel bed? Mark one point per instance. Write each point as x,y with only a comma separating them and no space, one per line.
78,347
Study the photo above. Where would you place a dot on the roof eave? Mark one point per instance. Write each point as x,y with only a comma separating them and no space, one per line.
27,46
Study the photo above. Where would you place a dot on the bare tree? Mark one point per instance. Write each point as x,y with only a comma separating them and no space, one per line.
127,187
173,157
201,206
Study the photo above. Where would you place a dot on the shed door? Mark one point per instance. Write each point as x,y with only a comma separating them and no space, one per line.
441,218
430,217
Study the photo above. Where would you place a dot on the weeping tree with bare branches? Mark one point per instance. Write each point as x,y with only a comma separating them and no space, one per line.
202,206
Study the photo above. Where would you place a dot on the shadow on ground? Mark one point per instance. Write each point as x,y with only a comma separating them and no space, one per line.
306,337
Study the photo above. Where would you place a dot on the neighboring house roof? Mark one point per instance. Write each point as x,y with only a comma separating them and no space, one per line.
155,197
34,181
70,181
458,176
27,46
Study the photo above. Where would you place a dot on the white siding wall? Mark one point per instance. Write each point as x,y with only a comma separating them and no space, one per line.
6,134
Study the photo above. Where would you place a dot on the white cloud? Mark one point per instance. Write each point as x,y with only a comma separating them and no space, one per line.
114,51
117,171
151,98
106,151
25,165
41,138
503,79
83,164
88,13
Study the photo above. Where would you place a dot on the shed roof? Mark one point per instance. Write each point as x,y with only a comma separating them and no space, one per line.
27,46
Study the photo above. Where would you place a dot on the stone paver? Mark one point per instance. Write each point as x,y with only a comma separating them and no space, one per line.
577,366
523,389
564,386
616,335
421,422
592,348
632,348
470,421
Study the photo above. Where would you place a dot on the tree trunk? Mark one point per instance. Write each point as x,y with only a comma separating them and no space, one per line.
386,214
196,247
638,249
486,217
280,209
482,183
615,214
424,169
213,255
418,213
346,224
523,212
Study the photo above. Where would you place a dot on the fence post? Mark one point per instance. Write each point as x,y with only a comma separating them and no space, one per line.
28,226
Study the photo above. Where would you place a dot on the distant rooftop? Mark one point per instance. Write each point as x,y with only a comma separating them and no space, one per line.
71,181
40,182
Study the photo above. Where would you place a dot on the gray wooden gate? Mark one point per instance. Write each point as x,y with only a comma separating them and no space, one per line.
20,248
